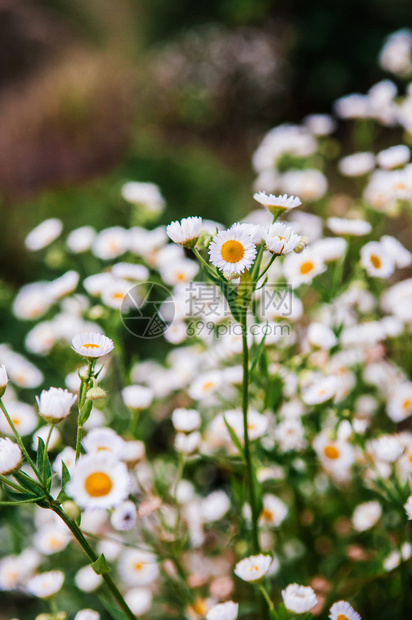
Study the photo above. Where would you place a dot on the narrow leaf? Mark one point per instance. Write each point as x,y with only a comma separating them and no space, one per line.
85,412
115,613
40,454
28,483
234,438
258,353
65,475
100,565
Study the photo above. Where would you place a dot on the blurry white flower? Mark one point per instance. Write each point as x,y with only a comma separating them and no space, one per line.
302,268
87,580
186,420
123,516
329,248
223,611
111,243
67,456
81,239
320,335
45,585
342,226
274,511
310,185
299,599
92,344
138,567
4,380
22,416
49,540
187,442
139,600
357,164
386,448
44,234
320,124
232,251
87,614
205,385
55,404
400,402
393,157
43,433
408,507
104,440
395,55
145,194
323,390
32,301
253,568
130,271
376,260
400,255
366,515
392,561
214,506
98,481
343,611
137,396
10,457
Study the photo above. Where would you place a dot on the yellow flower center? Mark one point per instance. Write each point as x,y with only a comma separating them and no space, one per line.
98,484
200,607
266,515
342,617
54,543
306,267
138,566
232,251
407,403
331,452
89,345
15,421
207,386
254,568
410,458
376,261
118,296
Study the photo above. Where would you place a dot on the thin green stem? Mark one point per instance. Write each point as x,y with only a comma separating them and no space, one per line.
46,446
12,484
268,266
75,530
248,458
84,387
203,262
271,607
19,440
257,263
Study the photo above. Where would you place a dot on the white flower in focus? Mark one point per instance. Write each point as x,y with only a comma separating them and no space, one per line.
44,234
274,511
87,580
45,585
10,457
124,516
302,268
356,165
276,204
232,251
81,239
186,232
138,567
137,396
408,507
223,611
92,344
87,614
299,599
280,239
342,226
55,404
343,611
186,420
393,157
253,568
376,260
98,481
366,515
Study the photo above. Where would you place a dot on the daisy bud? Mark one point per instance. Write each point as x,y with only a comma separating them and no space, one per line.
96,393
301,245
3,380
10,457
253,568
71,509
55,404
299,599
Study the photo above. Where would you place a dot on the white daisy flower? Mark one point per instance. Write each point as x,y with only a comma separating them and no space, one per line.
366,515
44,234
309,184
401,256
232,251
64,285
124,516
343,611
10,457
104,440
43,433
277,204
32,301
356,165
223,611
205,385
137,396
138,567
130,271
274,511
320,335
302,268
215,506
111,243
119,294
408,507
87,580
81,239
92,344
186,420
22,416
145,194
335,455
178,272
187,442
393,157
387,448
400,402
330,248
253,568
321,391
342,226
376,260
55,404
49,540
68,457
139,600
45,585
87,614
99,481
280,239
299,599
392,560
186,232
4,380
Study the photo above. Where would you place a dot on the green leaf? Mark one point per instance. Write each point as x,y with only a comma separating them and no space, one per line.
28,500
65,475
234,438
21,497
40,455
85,412
258,353
28,483
245,290
283,613
115,613
100,565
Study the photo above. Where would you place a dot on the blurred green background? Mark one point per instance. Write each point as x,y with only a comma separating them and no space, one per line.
179,93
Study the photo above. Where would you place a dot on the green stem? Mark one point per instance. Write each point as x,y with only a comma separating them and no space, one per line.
257,263
271,607
203,262
268,266
248,459
84,387
45,452
12,484
19,440
75,530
